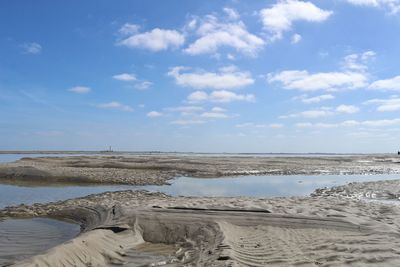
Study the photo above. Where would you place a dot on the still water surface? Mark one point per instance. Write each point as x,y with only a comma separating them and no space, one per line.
22,238
250,186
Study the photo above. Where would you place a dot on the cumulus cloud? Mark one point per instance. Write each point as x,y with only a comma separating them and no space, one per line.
392,6
351,123
226,78
392,84
296,38
144,85
154,40
185,110
281,16
188,122
218,109
353,75
129,77
115,105
126,77
275,125
80,89
313,114
221,96
214,115
31,48
128,29
358,62
232,13
385,105
260,125
214,34
323,112
304,81
348,109
154,114
316,99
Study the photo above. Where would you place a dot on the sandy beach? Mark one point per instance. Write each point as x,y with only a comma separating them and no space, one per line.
122,227
332,227
157,169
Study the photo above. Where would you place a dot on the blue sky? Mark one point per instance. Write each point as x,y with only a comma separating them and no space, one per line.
204,76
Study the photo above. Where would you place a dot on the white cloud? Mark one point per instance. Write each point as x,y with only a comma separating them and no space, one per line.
259,125
314,113
154,40
348,109
198,96
80,89
185,110
223,79
115,105
304,81
276,125
351,123
353,75
385,105
154,114
31,48
232,13
296,38
126,77
128,29
222,96
392,84
218,109
187,122
392,6
315,99
214,34
281,16
144,85
358,62
381,123
322,112
214,115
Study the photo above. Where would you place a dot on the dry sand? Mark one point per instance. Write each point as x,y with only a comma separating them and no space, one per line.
140,228
159,168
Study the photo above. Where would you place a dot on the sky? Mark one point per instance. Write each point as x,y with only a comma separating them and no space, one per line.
200,76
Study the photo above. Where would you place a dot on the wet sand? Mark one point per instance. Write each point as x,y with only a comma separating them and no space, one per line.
138,228
332,227
157,169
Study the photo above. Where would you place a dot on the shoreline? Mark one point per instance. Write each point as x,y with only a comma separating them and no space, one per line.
125,220
332,226
145,169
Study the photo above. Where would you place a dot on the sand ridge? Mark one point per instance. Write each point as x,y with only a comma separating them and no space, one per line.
157,169
309,231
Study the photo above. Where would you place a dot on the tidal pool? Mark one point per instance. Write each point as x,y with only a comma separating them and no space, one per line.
23,238
249,186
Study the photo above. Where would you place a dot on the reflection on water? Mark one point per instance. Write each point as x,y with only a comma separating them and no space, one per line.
22,238
261,186
13,157
11,195
251,186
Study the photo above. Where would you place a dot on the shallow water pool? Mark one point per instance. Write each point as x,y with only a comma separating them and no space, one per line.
250,186
23,238
5,158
